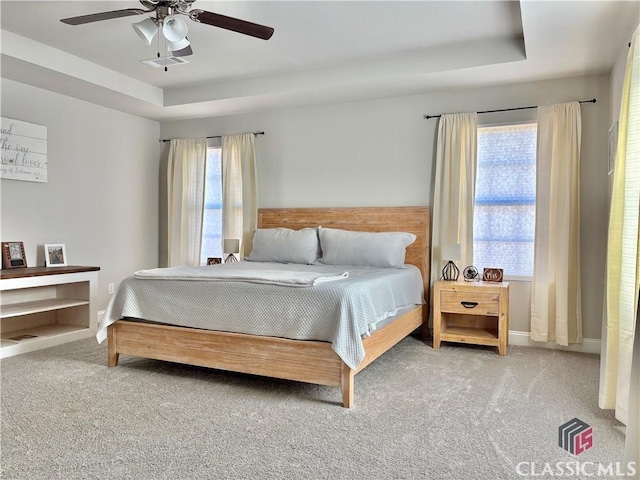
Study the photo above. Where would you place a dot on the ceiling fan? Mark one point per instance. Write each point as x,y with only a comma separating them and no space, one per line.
167,18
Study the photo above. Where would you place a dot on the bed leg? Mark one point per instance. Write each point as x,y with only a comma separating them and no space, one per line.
347,386
112,355
425,323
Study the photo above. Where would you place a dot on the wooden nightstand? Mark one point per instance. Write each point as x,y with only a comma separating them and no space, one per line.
471,312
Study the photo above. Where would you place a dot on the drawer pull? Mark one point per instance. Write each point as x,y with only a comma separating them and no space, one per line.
469,304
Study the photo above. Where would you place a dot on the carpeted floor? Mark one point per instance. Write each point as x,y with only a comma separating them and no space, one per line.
457,413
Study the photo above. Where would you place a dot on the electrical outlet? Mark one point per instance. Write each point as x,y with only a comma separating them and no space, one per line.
111,288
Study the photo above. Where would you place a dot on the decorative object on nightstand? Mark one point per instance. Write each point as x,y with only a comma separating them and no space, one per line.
470,273
451,252
214,260
231,246
471,312
492,275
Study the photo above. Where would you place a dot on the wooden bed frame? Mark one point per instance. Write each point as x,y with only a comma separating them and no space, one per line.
301,360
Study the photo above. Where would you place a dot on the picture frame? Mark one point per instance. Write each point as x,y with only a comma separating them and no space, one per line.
13,255
613,146
55,255
493,275
214,260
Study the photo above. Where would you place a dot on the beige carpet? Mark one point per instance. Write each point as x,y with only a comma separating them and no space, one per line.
457,413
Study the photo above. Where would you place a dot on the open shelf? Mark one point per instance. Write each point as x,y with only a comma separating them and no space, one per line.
41,332
474,335
43,307
38,306
42,336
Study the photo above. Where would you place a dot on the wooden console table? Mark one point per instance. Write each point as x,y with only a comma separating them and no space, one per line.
41,307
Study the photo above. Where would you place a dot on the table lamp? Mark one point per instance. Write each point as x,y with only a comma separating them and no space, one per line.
231,246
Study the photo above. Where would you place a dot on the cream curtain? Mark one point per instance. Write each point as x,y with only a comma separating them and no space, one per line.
455,186
632,444
239,189
185,192
619,371
556,312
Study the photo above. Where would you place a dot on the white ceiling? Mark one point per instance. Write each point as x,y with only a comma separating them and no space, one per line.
321,51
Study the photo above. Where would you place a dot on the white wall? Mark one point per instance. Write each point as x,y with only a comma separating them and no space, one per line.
101,199
381,152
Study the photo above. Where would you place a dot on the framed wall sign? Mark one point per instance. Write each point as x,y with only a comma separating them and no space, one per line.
55,255
24,150
13,255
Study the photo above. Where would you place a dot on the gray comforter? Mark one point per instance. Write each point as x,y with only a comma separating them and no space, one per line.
340,311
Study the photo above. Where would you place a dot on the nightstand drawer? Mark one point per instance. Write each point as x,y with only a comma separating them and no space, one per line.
470,303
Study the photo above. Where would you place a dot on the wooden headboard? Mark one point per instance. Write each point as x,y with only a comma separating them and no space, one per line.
414,220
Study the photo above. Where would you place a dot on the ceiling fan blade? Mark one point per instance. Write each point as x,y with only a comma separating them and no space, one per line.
97,17
230,23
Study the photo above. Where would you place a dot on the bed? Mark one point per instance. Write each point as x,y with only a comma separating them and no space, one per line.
309,361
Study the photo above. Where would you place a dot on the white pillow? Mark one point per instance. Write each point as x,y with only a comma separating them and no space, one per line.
364,249
285,245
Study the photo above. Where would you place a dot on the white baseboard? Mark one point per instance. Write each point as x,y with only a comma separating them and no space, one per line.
523,339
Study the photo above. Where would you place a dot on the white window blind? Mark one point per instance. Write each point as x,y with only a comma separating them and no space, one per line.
212,221
505,203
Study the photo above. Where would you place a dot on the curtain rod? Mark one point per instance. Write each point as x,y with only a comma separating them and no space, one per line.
593,100
255,134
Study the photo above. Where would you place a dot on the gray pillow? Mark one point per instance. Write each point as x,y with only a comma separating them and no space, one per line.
364,249
285,245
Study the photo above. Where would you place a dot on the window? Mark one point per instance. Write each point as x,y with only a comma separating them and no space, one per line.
212,216
505,203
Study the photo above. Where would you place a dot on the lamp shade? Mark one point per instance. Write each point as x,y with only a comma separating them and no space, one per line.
178,45
231,245
182,52
174,29
451,251
146,29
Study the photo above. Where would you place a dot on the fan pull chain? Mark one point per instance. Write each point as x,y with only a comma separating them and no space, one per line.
165,52
158,37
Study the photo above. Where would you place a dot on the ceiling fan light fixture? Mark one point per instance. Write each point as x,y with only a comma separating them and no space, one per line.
179,45
185,52
146,29
174,29
166,15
